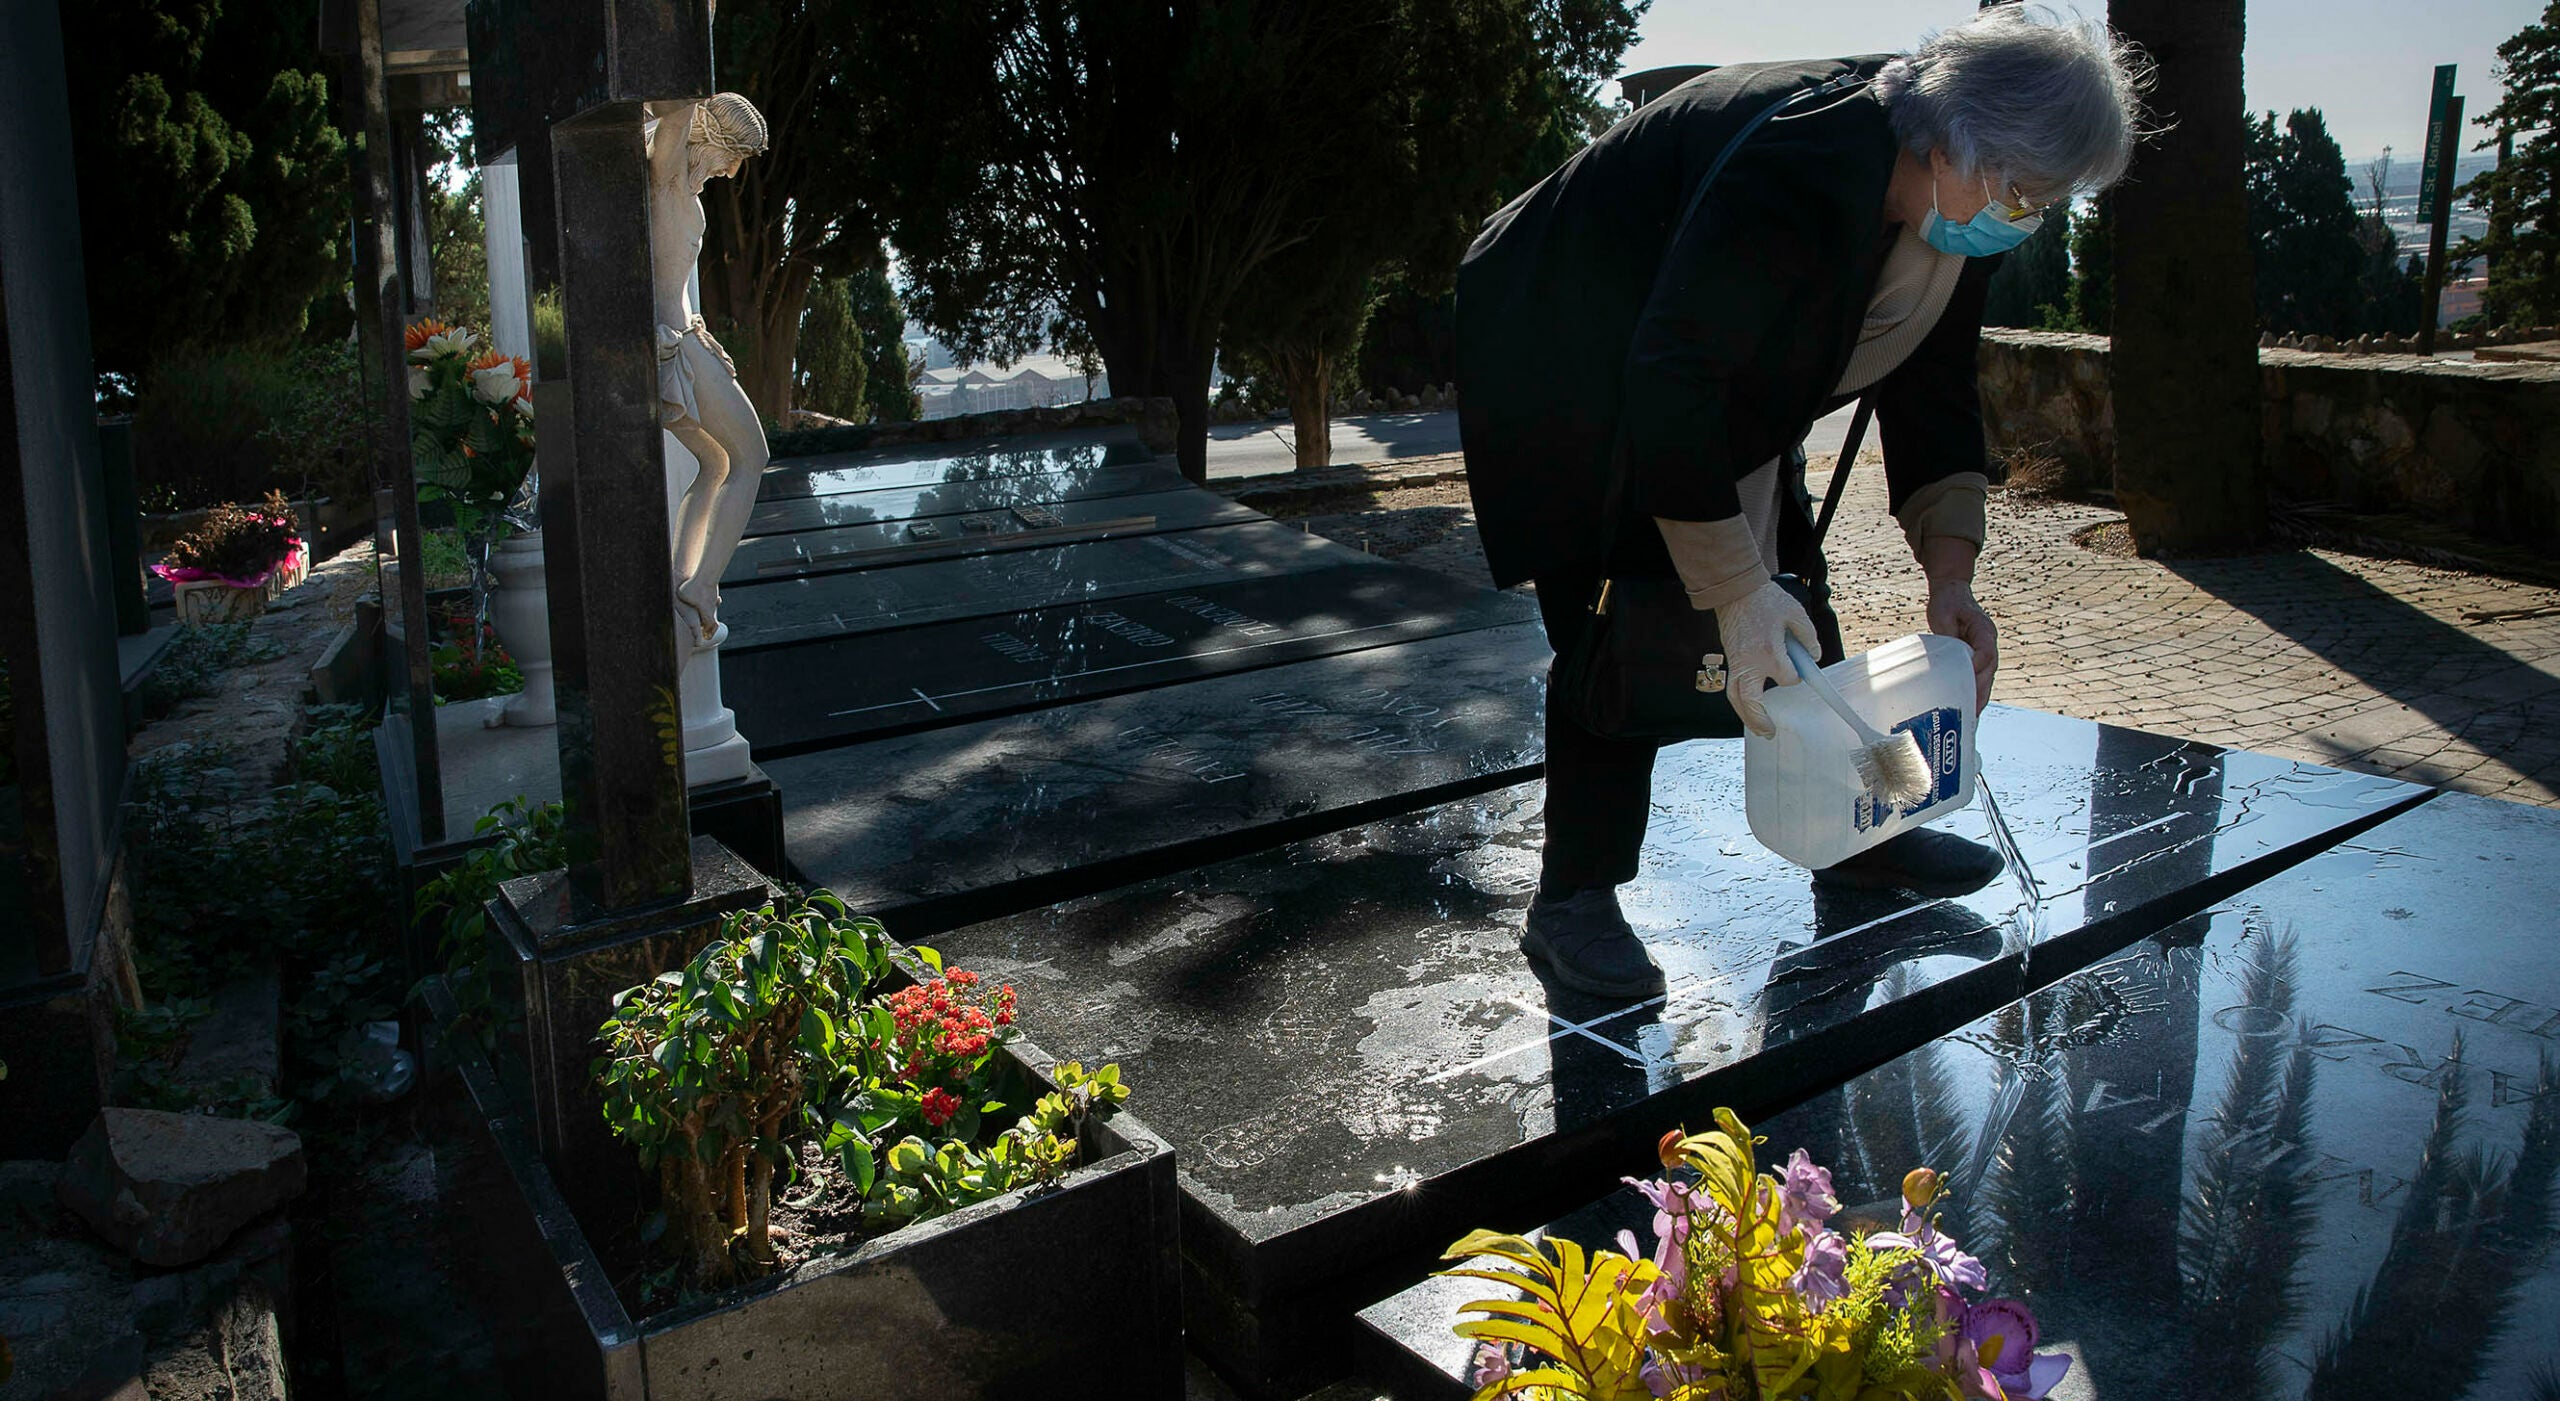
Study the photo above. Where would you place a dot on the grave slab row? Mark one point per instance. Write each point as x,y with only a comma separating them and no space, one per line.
836,690
943,826
1026,525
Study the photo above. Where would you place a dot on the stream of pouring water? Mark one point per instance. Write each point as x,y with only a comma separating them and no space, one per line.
2007,842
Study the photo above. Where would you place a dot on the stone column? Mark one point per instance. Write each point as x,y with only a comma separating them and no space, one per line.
614,651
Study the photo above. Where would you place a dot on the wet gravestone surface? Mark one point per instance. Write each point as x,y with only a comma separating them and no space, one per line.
834,605
934,827
792,498
2305,1148
794,698
1023,525
1355,1064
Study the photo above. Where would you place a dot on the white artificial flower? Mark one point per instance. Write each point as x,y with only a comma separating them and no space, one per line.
457,341
419,380
496,384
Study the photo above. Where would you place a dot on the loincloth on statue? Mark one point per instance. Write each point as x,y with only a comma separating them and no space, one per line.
677,401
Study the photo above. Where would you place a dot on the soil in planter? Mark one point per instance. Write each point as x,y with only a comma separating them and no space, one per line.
817,1213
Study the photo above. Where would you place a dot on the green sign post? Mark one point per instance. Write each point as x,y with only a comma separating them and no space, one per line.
2435,196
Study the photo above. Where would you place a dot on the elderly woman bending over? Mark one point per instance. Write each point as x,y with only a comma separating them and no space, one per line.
1641,352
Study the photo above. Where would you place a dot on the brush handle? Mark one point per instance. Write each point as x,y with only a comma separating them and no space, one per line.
1810,669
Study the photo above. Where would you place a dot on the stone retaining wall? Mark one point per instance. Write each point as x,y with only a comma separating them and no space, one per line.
2467,444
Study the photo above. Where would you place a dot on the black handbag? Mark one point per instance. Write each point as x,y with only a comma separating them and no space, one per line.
1649,666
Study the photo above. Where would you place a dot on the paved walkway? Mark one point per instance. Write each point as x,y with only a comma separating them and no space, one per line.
2378,666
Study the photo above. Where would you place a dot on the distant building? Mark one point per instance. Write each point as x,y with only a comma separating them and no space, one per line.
1036,382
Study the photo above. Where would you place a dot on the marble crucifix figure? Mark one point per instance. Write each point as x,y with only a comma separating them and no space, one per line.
690,144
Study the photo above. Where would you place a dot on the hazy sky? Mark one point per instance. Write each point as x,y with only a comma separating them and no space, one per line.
2365,63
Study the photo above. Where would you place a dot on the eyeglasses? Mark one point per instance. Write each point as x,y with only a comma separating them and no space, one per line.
2017,208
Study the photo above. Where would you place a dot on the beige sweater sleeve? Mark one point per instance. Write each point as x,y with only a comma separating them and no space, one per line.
1952,505
1718,560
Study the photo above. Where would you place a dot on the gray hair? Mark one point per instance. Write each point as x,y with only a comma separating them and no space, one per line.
2048,104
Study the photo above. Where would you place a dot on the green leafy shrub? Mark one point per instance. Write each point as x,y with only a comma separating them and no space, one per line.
714,1071
236,541
775,1038
318,431
527,839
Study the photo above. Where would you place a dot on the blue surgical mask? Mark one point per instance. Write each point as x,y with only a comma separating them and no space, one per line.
1987,233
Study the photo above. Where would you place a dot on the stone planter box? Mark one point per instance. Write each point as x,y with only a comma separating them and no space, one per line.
1072,1292
202,601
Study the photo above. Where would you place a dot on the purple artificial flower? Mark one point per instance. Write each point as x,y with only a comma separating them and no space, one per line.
1997,1353
1804,1195
1937,1250
1824,1275
1493,1363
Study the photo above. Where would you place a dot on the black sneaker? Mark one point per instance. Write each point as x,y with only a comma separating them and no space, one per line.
1586,945
1923,861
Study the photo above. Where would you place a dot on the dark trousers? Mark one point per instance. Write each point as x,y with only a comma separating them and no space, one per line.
1599,790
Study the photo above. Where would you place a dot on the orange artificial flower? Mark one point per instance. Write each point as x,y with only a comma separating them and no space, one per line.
422,331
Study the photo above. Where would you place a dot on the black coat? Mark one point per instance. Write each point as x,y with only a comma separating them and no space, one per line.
1602,338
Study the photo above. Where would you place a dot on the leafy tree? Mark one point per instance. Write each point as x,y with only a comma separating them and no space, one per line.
2032,286
2184,367
2522,192
833,365
2093,266
2302,224
458,261
1427,150
213,190
800,210
883,319
1143,164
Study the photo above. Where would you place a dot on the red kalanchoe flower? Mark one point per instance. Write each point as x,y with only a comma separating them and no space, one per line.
939,1106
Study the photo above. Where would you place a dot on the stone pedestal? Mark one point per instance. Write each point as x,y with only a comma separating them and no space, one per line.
520,608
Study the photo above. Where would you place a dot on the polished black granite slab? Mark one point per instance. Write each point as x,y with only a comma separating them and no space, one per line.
825,474
977,586
943,826
1028,525
2305,1148
825,692
1356,1063
781,506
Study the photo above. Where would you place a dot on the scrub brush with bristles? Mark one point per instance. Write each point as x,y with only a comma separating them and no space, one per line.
1889,766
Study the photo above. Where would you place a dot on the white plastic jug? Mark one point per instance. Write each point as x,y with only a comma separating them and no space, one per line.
1801,788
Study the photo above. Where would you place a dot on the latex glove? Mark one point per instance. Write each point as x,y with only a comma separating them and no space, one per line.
1755,628
1954,613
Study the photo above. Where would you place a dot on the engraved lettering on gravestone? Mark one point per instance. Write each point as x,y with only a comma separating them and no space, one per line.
1013,648
691,143
1244,623
2399,992
2331,1168
1122,626
2426,1075
2503,1089
1165,749
2248,1019
2325,1037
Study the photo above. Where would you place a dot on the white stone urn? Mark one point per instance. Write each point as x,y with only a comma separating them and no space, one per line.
520,609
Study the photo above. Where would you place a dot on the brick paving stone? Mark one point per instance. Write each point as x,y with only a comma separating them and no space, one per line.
2366,664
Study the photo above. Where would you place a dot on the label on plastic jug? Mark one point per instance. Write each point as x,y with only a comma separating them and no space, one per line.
1941,736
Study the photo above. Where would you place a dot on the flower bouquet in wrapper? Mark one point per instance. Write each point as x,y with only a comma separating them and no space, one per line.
470,423
1749,1295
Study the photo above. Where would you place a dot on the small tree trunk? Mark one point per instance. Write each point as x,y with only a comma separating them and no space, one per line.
699,1223
760,1211
1308,374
